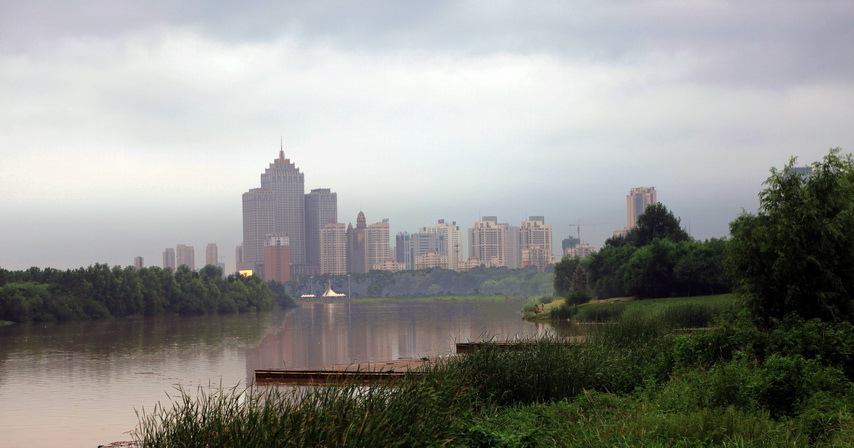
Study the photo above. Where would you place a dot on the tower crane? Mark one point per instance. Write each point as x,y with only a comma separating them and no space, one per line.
579,224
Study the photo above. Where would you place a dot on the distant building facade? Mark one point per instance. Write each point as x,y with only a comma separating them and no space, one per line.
321,208
579,250
356,246
238,256
535,243
637,201
403,250
431,259
186,256
450,241
333,249
488,241
169,258
389,265
278,207
211,254
377,248
138,262
277,263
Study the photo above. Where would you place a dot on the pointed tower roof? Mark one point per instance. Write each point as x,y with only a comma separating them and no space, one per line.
281,148
361,221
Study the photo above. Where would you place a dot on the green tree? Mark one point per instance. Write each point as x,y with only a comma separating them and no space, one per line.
796,254
656,222
563,272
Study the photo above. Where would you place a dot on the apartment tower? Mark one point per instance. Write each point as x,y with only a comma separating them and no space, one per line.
169,258
488,242
377,249
333,248
637,201
321,208
450,242
211,255
186,256
535,243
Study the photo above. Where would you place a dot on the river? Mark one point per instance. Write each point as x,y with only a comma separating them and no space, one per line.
79,384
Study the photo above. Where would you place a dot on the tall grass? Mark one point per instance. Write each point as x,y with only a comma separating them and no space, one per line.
408,413
632,383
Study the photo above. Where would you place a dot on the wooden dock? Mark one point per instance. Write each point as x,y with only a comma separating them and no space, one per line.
367,373
371,372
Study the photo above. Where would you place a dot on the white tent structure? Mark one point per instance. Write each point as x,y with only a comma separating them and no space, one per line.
330,293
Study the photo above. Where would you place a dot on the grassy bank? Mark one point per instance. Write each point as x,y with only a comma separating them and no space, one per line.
681,312
633,383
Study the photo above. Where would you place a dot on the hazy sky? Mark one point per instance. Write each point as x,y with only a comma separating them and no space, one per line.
130,126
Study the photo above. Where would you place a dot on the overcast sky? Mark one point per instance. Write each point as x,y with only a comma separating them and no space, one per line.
131,126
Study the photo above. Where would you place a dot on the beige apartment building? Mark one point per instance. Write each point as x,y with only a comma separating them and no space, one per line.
333,249
431,259
449,243
377,248
488,241
186,256
389,265
211,254
535,243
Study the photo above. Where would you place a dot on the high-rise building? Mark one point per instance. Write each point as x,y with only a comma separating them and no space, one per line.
238,257
356,246
423,242
138,262
637,201
403,250
186,255
513,250
277,207
277,263
321,208
211,255
169,258
377,249
333,249
488,241
535,243
450,243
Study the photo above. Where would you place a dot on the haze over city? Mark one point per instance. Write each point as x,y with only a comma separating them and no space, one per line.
128,127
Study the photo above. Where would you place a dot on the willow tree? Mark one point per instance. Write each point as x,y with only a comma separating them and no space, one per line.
796,255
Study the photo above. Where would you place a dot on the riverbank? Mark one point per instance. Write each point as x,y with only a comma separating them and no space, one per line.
633,383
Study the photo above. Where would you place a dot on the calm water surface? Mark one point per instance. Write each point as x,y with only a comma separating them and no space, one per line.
79,384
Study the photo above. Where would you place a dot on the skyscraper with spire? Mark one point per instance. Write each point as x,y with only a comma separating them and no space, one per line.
277,207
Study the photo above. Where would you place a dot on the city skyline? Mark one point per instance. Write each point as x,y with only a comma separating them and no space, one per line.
126,131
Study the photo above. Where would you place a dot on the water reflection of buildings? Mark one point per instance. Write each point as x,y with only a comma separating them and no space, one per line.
322,334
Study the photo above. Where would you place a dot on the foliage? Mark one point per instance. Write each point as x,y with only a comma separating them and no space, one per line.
99,292
431,282
656,258
564,272
655,223
795,255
